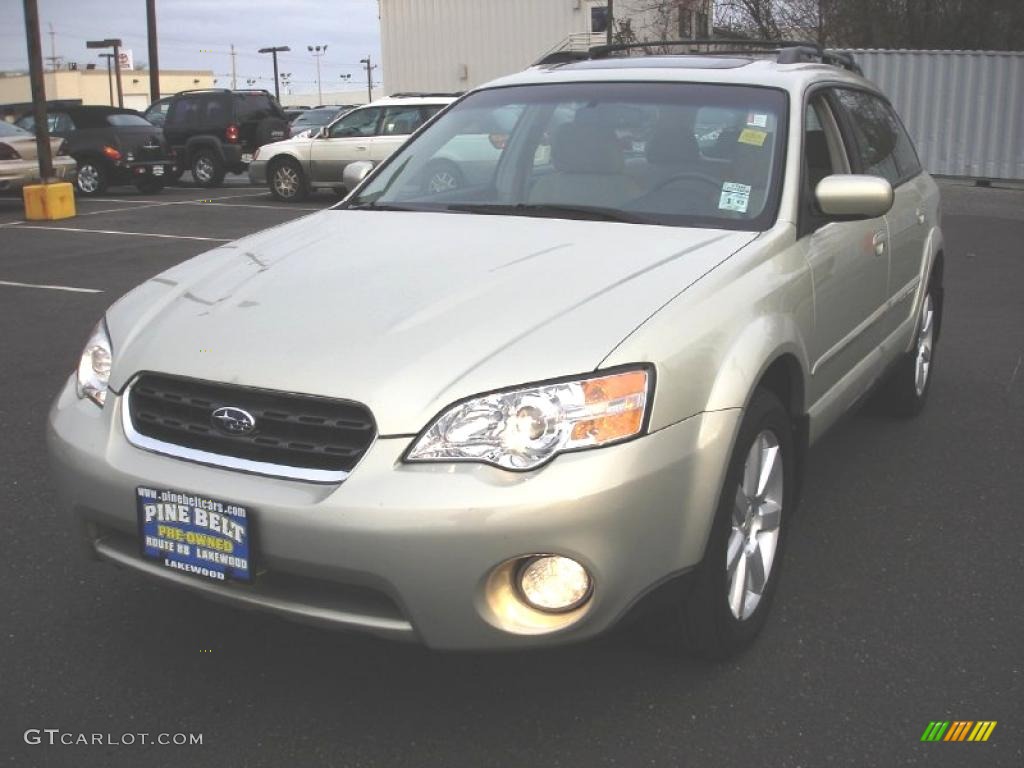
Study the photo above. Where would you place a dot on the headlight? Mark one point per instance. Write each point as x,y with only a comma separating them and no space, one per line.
526,427
94,367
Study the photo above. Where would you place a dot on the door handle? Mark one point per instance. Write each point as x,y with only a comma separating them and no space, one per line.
920,216
361,149
878,242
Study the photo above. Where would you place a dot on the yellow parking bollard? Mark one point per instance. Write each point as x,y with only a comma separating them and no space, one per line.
48,202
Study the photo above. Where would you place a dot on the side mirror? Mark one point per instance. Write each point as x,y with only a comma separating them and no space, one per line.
854,196
354,173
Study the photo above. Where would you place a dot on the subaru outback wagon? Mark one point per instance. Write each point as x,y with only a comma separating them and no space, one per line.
502,414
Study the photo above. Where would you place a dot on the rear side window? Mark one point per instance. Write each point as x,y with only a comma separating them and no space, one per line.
881,143
184,112
255,106
127,120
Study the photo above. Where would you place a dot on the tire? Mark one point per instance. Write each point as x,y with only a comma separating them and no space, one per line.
286,181
207,168
442,176
717,620
905,393
149,186
92,178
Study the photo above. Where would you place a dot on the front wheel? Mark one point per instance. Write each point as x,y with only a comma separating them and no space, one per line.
287,182
733,587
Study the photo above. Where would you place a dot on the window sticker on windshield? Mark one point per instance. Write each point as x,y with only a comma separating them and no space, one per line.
750,136
734,197
757,120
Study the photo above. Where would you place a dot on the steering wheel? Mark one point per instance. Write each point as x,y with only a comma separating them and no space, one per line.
685,175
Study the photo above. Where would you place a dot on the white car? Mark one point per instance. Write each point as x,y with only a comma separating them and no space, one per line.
294,167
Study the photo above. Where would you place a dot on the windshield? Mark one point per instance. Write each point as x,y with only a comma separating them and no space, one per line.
6,129
683,154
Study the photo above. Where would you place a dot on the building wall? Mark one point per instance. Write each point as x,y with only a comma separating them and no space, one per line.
452,45
91,86
964,109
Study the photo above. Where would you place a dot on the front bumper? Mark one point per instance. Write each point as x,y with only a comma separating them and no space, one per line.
409,551
258,172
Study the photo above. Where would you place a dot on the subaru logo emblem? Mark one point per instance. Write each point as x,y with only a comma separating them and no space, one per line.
233,421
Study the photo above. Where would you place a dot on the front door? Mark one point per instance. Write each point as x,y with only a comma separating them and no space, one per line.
849,263
346,140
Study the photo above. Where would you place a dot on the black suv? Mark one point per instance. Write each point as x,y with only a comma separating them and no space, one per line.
111,146
214,131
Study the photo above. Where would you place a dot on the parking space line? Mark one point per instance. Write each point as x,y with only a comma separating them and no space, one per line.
134,234
122,210
50,287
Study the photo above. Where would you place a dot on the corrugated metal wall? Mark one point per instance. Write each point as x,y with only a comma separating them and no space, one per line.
964,109
452,45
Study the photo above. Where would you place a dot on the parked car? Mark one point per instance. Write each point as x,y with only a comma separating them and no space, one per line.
306,124
216,131
19,163
293,168
112,147
511,413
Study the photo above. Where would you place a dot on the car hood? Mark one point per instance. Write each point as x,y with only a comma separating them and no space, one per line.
407,311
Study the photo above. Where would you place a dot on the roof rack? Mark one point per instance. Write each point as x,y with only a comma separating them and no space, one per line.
224,90
788,51
424,95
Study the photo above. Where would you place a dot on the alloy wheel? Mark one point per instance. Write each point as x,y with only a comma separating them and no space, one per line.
757,513
202,169
88,178
286,181
925,340
442,181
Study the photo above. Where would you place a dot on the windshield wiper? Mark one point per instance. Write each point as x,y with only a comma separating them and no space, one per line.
380,207
552,210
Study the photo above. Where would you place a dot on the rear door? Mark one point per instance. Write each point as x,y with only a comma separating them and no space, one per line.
398,123
848,260
345,141
882,148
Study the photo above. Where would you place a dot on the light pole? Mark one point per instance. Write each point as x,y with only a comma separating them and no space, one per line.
110,75
369,77
286,81
274,51
318,51
115,43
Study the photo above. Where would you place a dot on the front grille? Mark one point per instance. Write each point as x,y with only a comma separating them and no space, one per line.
291,430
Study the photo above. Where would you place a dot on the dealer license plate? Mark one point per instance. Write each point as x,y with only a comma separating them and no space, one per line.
246,158
158,170
205,537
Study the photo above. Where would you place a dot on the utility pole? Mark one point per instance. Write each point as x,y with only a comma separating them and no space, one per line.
318,51
35,68
369,77
274,51
234,84
154,63
110,75
53,58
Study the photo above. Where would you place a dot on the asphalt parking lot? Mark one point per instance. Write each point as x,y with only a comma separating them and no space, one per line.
900,602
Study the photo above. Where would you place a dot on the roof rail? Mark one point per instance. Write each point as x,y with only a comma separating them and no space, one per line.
788,51
418,95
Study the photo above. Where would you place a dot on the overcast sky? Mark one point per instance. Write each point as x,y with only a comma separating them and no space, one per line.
197,34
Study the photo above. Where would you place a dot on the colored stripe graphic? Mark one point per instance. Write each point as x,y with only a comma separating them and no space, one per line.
935,730
958,730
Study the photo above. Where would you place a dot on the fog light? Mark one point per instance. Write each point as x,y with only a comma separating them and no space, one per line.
553,583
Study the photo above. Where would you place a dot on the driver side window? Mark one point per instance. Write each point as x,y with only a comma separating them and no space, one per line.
823,156
361,122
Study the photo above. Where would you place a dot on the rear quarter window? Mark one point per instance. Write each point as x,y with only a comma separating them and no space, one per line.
127,120
255,106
